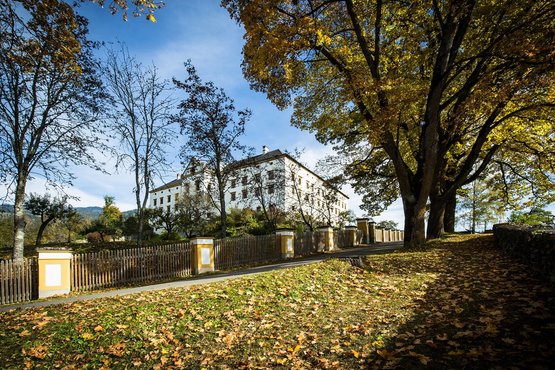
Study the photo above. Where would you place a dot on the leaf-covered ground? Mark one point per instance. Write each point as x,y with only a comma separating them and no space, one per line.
458,304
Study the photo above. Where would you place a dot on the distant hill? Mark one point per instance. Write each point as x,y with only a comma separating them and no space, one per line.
86,212
94,212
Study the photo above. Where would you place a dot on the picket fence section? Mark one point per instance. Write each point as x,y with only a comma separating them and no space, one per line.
246,250
127,266
113,268
18,280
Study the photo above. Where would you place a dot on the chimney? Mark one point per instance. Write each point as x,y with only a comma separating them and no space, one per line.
178,175
265,149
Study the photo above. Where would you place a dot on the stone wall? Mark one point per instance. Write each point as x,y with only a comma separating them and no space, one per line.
532,246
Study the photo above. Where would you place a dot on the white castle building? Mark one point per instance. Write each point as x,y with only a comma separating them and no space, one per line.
271,179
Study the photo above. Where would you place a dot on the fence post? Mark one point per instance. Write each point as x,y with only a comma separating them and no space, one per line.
372,233
286,241
362,224
385,234
54,272
203,254
327,237
351,236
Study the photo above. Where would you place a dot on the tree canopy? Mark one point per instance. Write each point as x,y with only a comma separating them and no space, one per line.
437,87
50,97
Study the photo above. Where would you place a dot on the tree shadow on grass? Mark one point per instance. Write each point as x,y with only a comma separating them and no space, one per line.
482,310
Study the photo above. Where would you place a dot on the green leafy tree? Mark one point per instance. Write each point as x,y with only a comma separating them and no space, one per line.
195,213
48,209
387,224
167,220
73,222
534,217
109,222
480,204
347,218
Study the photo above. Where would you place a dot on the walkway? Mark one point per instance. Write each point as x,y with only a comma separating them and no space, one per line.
206,279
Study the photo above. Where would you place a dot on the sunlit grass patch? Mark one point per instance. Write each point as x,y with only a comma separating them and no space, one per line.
453,304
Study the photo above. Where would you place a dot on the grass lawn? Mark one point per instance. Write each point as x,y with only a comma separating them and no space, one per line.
457,304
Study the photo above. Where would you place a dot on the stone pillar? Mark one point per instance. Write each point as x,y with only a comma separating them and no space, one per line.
351,235
362,224
372,233
54,272
326,238
203,254
286,241
385,234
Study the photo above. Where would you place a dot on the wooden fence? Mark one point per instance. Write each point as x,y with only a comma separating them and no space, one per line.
126,266
230,253
18,280
307,243
113,268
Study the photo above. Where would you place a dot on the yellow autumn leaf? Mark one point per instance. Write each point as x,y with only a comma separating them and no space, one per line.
87,336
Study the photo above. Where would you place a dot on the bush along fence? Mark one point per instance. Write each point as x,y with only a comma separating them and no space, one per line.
533,247
60,271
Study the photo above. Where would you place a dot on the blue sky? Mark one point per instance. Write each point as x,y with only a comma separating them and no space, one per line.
203,32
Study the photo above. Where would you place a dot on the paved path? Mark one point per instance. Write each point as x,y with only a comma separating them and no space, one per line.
198,280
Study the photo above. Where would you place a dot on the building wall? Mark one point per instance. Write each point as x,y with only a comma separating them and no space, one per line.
277,182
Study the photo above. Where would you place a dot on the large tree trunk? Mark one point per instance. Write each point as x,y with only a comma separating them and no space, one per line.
450,214
19,219
436,218
414,224
442,215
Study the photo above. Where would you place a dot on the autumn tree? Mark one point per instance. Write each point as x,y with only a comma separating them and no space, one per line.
212,125
109,222
137,8
48,209
436,87
50,97
140,120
